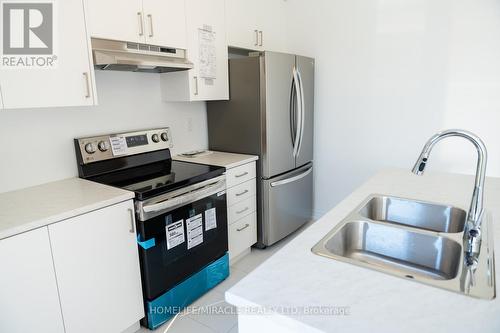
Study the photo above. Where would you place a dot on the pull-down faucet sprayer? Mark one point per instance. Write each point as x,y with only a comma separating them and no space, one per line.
472,234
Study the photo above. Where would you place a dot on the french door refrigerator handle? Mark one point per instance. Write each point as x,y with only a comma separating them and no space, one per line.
292,179
292,111
302,111
298,120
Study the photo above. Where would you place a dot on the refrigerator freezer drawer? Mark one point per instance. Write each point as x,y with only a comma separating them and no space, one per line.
287,201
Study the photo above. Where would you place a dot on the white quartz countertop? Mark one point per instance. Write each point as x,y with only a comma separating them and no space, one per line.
294,277
41,205
227,160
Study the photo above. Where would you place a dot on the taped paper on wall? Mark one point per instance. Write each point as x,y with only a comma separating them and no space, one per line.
207,53
194,228
210,219
175,234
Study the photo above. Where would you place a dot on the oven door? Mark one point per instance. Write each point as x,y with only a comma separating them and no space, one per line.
182,234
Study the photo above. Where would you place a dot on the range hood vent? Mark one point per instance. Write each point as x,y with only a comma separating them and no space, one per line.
136,57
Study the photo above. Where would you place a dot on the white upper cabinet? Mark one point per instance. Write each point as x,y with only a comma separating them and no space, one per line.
28,289
157,22
256,25
165,22
243,24
118,20
273,25
207,49
70,81
97,267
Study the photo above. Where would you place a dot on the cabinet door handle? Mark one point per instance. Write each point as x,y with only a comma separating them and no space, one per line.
195,78
241,174
151,32
241,229
256,37
132,221
87,84
242,211
242,193
261,38
141,24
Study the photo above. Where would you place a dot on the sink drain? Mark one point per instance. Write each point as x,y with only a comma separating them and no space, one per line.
409,276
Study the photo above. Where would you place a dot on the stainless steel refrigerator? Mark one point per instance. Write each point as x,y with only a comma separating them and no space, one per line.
270,114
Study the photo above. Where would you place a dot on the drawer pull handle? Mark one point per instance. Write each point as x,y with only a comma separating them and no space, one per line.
151,33
242,193
196,91
141,24
242,211
241,229
87,85
132,221
242,174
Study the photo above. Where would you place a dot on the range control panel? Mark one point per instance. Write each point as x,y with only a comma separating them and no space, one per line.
105,147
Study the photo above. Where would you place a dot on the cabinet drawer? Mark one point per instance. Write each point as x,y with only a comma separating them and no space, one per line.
241,192
242,209
242,235
240,174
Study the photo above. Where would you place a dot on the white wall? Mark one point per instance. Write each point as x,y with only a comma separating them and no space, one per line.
37,144
390,73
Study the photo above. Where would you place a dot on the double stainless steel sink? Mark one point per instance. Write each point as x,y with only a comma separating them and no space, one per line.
415,240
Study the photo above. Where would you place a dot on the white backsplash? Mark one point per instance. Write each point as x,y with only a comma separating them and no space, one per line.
37,144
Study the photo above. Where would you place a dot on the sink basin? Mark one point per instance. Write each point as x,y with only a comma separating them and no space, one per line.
415,214
414,240
405,253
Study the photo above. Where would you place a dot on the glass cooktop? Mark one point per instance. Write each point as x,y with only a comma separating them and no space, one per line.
158,178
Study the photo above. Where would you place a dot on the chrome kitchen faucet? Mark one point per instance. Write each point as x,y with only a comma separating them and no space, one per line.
472,234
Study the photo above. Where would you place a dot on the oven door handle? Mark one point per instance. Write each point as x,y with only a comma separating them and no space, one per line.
185,198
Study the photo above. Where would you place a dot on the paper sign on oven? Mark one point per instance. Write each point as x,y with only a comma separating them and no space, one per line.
194,227
175,234
210,219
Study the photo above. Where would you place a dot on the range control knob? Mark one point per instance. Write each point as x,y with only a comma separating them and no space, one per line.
103,146
164,136
90,148
155,138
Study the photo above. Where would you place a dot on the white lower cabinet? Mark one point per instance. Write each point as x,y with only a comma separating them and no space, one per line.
242,235
28,289
241,209
97,267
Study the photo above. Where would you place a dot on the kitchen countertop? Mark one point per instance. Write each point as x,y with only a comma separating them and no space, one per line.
41,205
227,160
377,302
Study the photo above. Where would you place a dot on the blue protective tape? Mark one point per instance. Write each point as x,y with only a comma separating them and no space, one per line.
176,299
146,244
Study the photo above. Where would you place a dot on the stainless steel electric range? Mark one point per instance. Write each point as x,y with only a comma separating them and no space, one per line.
181,215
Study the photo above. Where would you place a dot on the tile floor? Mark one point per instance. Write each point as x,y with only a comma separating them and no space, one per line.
218,322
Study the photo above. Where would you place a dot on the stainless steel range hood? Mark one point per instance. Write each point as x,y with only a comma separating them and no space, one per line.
136,57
